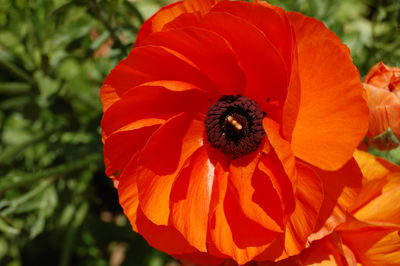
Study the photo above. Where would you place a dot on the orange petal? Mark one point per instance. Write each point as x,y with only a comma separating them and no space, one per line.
121,146
374,245
275,26
128,193
393,111
169,13
209,52
150,63
378,100
108,96
309,197
220,231
155,100
384,208
190,199
292,103
327,251
267,80
333,115
164,238
380,190
383,76
162,159
257,197
282,147
262,64
341,189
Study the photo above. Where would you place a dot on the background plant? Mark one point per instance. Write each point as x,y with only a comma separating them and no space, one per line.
56,205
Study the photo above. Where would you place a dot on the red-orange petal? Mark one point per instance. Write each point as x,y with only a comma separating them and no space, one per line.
220,232
333,115
374,245
161,160
161,237
151,63
209,52
254,189
341,189
128,193
120,147
274,25
155,100
261,62
190,199
309,198
169,13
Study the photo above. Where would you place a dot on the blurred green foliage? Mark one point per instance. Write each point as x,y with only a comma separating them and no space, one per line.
56,205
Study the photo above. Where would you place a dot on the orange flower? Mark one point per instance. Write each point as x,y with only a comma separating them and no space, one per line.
229,131
382,85
370,236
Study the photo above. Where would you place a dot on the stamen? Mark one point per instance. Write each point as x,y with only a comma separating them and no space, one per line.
234,125
234,122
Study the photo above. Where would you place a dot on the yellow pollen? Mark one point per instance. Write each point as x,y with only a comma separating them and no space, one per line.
234,122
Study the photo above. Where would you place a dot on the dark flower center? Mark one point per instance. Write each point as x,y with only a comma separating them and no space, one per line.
234,125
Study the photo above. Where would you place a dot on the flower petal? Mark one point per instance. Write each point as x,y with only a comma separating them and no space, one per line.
151,63
333,116
220,231
261,62
190,199
374,245
170,12
341,189
309,198
128,193
161,100
162,159
252,186
161,237
274,25
120,147
209,52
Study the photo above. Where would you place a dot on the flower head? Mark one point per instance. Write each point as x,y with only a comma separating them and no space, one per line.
382,84
370,235
229,131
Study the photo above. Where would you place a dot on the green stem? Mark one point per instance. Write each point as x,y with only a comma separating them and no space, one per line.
17,71
55,171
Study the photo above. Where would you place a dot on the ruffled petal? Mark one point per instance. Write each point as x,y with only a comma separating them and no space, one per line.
341,189
309,198
128,193
327,251
292,103
169,13
190,199
254,189
120,147
162,159
264,67
262,64
227,214
209,52
333,115
151,63
276,28
164,238
153,103
374,245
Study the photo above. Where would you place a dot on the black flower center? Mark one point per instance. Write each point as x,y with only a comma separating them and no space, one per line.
234,125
